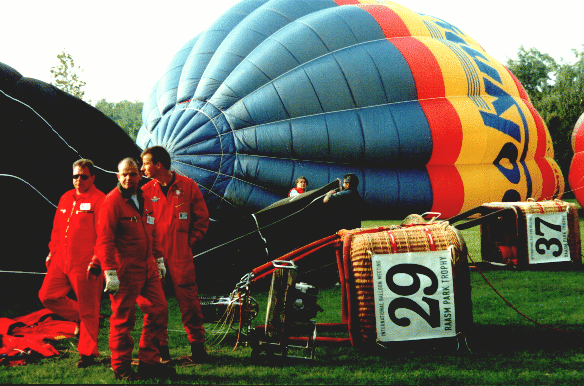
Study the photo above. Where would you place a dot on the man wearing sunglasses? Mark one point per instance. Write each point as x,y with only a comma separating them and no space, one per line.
70,251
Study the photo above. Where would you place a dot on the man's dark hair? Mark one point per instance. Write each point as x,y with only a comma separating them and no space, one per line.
159,154
85,163
352,179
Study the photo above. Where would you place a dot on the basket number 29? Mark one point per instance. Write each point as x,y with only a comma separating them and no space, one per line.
413,270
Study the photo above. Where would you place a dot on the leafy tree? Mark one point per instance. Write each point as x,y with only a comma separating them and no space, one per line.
535,71
556,91
562,107
128,115
65,75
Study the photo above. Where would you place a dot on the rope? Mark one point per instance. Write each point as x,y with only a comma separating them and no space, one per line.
240,322
18,178
30,273
54,131
513,307
221,328
316,269
258,228
260,233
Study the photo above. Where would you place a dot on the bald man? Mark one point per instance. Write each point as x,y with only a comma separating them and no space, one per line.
130,255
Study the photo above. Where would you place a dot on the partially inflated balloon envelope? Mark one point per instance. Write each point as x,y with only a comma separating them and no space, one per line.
44,130
417,109
576,176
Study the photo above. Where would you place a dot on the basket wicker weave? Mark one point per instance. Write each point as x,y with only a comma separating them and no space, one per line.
358,245
506,233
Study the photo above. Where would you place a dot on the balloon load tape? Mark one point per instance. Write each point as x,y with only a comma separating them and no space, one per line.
515,239
414,235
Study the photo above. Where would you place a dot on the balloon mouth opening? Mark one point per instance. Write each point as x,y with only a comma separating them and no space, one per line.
203,122
203,148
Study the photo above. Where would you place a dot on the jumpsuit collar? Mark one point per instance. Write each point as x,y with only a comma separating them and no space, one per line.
83,195
127,195
173,180
167,188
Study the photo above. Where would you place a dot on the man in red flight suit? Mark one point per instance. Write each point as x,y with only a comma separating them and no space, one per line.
183,220
130,255
70,251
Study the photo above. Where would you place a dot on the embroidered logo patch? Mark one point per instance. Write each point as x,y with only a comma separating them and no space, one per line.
183,216
150,220
85,206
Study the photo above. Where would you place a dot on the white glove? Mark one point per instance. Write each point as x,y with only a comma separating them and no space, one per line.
161,267
112,283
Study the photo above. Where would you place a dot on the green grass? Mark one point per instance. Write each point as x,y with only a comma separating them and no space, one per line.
505,347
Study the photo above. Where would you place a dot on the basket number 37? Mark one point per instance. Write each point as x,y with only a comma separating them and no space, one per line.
547,237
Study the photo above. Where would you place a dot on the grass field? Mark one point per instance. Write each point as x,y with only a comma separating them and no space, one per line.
503,347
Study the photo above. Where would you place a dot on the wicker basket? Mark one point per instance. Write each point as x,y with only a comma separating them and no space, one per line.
359,244
504,239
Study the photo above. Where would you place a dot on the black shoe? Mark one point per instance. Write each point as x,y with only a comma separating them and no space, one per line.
86,361
126,373
199,354
164,354
159,371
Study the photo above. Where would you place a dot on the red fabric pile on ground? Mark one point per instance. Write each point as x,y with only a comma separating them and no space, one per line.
22,339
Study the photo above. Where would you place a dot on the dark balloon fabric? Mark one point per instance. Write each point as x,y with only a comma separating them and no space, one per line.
235,246
417,109
43,158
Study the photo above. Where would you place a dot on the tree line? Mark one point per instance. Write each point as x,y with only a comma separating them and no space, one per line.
556,90
128,115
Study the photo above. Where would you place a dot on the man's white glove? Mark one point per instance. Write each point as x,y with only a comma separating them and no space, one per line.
112,283
161,267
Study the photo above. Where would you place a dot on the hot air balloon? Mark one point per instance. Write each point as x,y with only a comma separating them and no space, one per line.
576,176
44,131
408,102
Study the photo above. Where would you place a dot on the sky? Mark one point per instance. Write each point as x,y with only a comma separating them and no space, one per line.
124,46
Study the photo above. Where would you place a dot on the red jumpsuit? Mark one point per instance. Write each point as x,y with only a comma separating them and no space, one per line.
182,220
127,243
72,247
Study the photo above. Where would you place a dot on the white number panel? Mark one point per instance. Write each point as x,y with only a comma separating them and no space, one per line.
414,296
547,237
